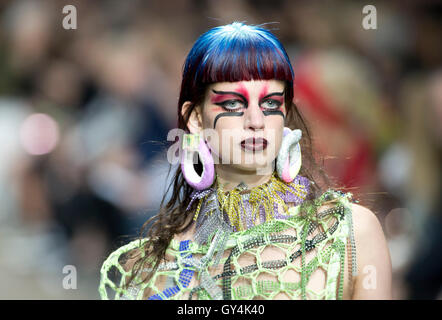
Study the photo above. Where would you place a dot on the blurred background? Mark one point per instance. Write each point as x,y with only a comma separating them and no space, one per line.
84,116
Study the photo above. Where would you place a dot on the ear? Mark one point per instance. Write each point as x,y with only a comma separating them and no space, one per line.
195,122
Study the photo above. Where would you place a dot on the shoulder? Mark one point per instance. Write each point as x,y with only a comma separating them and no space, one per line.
373,279
365,222
368,231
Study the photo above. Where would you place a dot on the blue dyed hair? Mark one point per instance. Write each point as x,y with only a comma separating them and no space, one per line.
231,53
238,52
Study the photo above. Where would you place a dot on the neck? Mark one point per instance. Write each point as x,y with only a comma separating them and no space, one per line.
230,176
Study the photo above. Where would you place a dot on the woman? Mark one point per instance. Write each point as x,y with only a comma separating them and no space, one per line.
248,221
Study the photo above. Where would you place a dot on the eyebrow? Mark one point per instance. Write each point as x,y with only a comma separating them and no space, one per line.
273,94
230,92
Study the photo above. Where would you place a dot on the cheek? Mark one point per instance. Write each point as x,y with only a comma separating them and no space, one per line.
208,116
216,110
224,120
278,140
212,136
222,138
207,121
274,133
275,122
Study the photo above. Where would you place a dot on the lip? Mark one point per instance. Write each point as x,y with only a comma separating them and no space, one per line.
254,144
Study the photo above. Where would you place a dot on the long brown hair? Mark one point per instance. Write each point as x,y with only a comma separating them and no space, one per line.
235,52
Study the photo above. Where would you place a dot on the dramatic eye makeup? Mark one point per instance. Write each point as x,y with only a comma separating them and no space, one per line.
229,101
233,103
271,104
272,101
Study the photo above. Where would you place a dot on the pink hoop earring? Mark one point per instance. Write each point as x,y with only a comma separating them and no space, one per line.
288,162
194,143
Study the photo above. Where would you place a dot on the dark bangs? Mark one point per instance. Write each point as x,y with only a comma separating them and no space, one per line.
243,59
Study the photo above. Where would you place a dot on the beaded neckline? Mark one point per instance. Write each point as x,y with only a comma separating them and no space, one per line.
220,213
243,208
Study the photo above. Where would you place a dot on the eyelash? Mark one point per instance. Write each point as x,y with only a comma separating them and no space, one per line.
225,103
275,102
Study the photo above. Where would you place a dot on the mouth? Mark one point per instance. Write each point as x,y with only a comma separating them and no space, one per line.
254,144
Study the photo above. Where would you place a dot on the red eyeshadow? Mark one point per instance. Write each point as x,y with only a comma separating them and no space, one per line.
222,97
263,92
277,98
242,90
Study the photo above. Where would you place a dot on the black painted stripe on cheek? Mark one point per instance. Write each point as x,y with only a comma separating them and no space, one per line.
227,114
274,112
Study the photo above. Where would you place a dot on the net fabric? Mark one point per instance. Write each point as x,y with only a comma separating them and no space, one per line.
307,241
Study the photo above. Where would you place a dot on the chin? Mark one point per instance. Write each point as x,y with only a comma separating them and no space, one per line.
255,167
250,162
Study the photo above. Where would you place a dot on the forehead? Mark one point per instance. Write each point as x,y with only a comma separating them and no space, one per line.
250,86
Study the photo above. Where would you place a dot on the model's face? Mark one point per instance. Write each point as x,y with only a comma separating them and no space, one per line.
247,122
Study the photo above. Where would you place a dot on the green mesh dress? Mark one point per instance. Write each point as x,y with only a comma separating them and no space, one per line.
273,259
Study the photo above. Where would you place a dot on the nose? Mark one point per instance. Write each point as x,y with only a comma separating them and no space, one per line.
254,118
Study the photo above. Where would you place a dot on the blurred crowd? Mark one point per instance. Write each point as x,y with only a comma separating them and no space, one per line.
84,117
